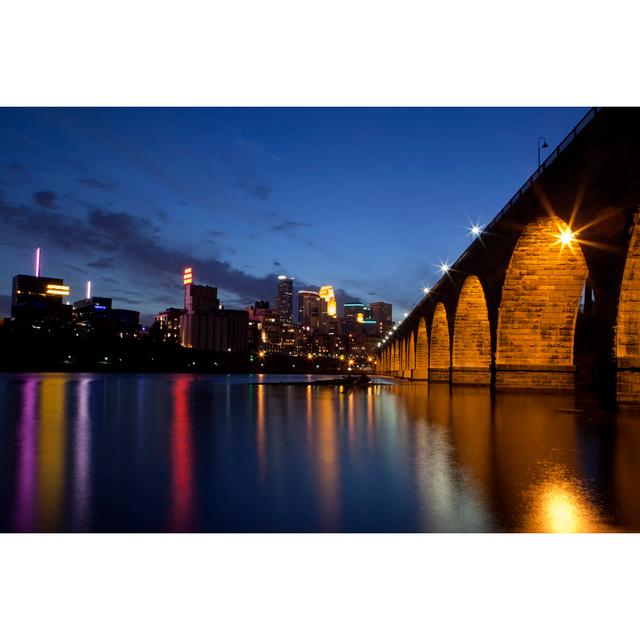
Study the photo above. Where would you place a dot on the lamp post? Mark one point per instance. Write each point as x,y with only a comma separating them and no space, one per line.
544,146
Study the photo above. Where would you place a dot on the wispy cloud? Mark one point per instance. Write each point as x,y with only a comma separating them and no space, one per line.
289,225
98,184
258,148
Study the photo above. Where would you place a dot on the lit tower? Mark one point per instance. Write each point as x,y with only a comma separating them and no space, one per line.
326,293
284,301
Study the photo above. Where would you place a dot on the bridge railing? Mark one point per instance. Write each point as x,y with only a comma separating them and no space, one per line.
566,141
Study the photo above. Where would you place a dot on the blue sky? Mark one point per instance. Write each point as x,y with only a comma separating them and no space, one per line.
368,200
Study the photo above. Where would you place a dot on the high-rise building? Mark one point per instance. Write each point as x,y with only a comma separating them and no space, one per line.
309,309
38,300
326,293
284,300
206,325
381,312
260,317
355,312
200,298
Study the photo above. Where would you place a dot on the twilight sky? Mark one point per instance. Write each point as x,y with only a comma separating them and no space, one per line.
368,200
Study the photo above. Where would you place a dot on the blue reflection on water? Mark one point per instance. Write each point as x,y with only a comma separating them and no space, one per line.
90,452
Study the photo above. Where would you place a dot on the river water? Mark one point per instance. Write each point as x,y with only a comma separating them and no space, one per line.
147,453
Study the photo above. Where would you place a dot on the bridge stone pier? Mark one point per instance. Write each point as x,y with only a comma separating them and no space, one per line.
548,296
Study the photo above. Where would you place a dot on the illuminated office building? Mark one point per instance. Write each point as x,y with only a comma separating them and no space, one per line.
356,312
38,300
284,300
328,296
381,312
309,309
168,324
206,325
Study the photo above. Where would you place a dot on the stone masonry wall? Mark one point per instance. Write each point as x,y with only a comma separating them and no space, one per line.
539,305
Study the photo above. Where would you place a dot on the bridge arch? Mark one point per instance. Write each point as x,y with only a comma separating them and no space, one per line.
411,355
440,347
628,323
537,315
422,352
394,358
471,357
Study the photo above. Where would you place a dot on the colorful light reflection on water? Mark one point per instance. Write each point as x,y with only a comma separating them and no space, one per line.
91,452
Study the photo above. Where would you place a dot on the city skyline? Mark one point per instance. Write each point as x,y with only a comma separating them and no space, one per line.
247,194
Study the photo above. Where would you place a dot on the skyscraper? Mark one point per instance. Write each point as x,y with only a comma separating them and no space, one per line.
309,309
355,312
206,325
284,300
329,297
381,312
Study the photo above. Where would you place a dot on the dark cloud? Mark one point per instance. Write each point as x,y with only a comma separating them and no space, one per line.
102,263
120,240
258,191
128,300
73,268
15,167
276,263
217,234
103,185
46,199
289,225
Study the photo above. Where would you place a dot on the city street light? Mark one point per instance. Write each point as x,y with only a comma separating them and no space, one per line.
544,146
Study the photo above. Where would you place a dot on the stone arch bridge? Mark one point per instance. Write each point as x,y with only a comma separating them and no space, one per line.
548,296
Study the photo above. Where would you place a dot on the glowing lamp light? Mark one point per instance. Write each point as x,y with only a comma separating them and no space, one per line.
567,237
187,276
475,230
444,268
426,290
88,289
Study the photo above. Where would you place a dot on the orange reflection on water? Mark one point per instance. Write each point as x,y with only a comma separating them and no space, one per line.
181,461
327,457
260,432
562,505
51,443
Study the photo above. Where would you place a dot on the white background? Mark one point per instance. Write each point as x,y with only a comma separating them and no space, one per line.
275,52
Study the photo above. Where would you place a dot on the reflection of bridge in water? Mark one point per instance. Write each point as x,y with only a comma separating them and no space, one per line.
549,294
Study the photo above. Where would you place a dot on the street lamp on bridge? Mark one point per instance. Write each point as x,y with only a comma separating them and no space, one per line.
544,146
